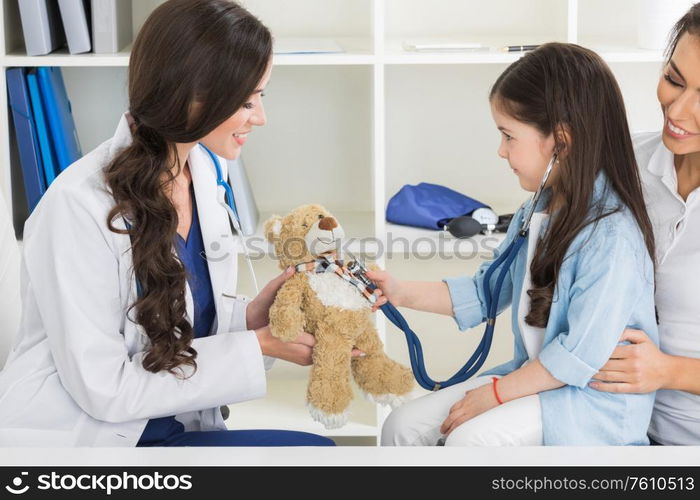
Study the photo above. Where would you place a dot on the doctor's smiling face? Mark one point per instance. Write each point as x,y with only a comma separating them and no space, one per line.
227,139
679,95
527,150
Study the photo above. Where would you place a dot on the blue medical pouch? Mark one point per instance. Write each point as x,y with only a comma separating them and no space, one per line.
429,205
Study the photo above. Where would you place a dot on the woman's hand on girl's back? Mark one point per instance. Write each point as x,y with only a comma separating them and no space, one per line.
639,367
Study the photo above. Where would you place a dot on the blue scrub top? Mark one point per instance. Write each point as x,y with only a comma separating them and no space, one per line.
191,253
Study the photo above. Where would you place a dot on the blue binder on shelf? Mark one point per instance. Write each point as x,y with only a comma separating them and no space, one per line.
27,142
46,149
59,116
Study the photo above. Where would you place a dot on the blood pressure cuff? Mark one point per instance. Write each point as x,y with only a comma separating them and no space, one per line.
429,205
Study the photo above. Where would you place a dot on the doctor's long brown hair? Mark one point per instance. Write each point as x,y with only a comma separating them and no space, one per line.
565,89
203,55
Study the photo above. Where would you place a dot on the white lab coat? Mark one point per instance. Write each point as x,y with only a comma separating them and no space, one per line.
74,376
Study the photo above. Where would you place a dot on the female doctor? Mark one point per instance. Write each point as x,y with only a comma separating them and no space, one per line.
132,333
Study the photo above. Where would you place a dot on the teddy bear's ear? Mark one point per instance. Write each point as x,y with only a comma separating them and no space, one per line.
273,226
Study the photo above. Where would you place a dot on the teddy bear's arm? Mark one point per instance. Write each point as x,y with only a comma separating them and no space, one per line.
286,315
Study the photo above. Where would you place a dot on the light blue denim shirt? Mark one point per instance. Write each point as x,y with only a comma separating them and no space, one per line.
606,283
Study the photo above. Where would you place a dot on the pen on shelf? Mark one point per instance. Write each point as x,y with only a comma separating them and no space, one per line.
518,48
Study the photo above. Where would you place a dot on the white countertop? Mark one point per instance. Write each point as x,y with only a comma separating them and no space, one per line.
355,455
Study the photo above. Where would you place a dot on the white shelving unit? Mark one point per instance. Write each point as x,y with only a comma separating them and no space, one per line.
374,118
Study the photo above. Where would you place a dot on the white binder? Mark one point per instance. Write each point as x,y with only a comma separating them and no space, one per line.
41,26
111,25
76,23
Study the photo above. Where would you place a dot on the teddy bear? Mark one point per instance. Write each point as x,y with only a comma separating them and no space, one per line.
323,299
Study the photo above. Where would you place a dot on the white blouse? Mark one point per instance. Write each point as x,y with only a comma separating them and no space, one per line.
532,336
676,223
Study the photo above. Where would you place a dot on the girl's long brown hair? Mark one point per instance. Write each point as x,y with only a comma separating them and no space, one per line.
193,65
566,89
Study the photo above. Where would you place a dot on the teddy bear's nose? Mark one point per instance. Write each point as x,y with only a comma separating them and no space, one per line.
327,224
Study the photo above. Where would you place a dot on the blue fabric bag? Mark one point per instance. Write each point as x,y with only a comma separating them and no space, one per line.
429,205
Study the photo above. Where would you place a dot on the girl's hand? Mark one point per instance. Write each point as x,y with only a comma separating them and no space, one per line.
475,402
257,313
388,288
639,367
297,351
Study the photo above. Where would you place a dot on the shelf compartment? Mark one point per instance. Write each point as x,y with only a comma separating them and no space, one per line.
349,24
516,22
610,28
16,52
284,408
323,146
357,52
314,18
457,150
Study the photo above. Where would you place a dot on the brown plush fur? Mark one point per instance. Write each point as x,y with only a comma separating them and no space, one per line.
299,307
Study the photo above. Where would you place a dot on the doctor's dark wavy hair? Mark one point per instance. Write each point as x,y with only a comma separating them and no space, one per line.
193,65
569,91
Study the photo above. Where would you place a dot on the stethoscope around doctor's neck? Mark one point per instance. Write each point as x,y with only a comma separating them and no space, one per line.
226,199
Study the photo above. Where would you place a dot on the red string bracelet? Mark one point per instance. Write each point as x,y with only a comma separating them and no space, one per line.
495,391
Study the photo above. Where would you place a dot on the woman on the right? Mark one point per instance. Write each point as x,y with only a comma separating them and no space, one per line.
669,164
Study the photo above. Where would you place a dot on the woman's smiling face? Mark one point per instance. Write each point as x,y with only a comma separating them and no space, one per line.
227,139
679,95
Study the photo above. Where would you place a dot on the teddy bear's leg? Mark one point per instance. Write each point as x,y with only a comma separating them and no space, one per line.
329,392
382,379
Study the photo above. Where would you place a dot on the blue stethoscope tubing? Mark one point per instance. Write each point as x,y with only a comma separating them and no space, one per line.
477,359
504,261
228,196
229,204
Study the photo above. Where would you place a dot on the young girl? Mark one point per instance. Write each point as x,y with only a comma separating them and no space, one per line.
584,274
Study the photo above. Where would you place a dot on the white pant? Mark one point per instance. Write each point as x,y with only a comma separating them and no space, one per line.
417,422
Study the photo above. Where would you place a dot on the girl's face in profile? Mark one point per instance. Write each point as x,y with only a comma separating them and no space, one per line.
528,152
679,94
227,139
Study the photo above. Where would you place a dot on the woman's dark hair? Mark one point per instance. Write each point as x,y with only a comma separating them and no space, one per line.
569,91
193,65
689,23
